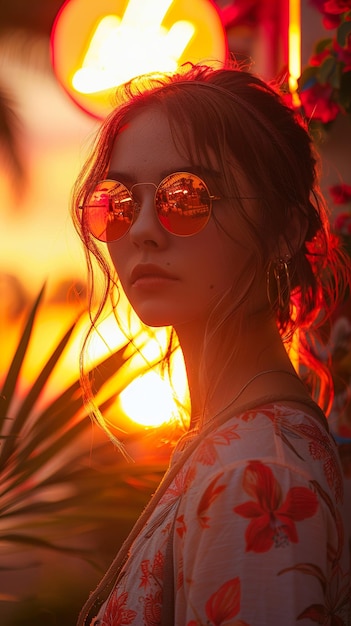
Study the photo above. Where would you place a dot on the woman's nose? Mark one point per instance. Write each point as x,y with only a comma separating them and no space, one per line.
146,227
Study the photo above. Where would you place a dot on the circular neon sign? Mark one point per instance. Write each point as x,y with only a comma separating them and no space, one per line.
96,46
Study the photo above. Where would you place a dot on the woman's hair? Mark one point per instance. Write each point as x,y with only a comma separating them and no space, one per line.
232,114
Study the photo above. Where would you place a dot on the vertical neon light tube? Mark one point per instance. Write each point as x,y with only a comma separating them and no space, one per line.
294,47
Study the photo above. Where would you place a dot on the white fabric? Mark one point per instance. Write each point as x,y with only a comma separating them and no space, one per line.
258,538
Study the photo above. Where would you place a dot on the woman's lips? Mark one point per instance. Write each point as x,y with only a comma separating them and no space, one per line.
147,274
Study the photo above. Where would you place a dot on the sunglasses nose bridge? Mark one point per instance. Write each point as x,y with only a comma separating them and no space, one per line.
145,215
142,185
139,202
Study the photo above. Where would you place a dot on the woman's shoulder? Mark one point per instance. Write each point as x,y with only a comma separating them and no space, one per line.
282,436
272,429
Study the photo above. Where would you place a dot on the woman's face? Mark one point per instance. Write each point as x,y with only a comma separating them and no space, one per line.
168,279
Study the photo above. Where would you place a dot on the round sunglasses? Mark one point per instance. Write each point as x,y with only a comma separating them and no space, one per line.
182,202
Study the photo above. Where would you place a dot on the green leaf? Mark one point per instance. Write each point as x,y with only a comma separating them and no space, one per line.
345,91
343,33
322,44
61,412
48,485
307,74
63,407
22,413
32,541
329,72
113,364
52,426
36,463
15,367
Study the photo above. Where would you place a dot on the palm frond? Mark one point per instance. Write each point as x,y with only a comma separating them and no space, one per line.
11,152
11,379
49,481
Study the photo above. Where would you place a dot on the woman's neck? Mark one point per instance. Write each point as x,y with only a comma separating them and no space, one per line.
233,358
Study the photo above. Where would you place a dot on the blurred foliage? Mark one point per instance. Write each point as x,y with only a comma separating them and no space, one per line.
11,156
64,489
325,83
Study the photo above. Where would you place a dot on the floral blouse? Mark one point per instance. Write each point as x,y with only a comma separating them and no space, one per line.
255,520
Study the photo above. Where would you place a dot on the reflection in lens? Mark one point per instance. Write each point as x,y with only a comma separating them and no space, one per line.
109,211
183,204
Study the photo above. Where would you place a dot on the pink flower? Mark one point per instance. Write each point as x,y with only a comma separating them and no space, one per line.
342,224
340,194
318,104
332,11
335,7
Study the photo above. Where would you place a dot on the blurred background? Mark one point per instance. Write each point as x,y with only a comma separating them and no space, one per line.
67,497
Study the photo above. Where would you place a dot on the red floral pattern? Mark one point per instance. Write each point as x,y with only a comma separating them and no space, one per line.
223,605
152,609
207,452
180,485
152,571
278,517
320,445
336,591
210,494
272,518
116,611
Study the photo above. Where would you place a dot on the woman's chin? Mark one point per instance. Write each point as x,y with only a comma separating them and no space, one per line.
155,319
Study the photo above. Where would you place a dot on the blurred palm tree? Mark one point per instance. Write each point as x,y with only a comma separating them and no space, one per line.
51,477
9,140
63,487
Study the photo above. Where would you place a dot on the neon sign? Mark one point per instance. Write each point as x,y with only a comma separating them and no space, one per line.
96,46
294,47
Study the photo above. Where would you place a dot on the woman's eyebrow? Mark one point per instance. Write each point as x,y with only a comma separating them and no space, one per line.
191,169
120,176
199,171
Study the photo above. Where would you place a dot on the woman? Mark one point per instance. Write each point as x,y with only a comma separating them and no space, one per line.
202,189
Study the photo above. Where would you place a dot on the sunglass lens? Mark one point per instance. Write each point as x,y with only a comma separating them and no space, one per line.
183,204
109,211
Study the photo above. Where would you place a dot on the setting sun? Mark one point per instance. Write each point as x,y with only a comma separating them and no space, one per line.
151,400
148,400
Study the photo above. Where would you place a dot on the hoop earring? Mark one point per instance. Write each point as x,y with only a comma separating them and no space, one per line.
278,294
